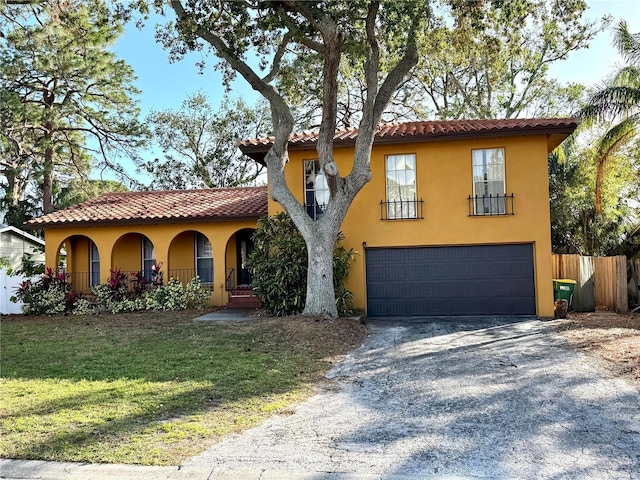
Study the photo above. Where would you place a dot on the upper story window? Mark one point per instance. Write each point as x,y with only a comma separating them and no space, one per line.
489,191
94,264
401,186
204,259
316,189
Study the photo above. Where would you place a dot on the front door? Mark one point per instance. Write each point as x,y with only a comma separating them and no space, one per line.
244,247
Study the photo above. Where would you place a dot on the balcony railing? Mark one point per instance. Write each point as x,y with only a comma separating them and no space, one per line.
401,209
488,205
81,282
230,282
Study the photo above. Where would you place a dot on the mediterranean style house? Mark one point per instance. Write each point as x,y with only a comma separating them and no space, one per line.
455,221
181,233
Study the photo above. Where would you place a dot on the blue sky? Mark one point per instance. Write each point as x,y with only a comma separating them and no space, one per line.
165,85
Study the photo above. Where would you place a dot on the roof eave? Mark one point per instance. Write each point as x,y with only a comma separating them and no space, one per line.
258,152
23,234
140,221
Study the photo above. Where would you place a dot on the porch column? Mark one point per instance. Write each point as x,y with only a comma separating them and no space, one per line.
52,240
219,247
161,247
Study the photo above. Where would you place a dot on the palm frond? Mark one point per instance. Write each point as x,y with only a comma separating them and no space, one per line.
612,102
628,76
628,44
607,145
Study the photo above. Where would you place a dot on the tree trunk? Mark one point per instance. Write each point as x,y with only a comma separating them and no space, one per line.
321,300
11,189
47,182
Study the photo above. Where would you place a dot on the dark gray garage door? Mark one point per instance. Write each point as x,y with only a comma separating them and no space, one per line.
465,280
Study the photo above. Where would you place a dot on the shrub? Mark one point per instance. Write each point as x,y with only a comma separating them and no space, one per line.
83,307
52,295
197,297
49,295
279,267
167,297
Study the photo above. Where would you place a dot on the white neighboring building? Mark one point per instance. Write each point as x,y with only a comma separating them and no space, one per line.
13,244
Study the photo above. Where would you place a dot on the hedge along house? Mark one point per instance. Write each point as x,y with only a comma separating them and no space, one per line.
190,232
455,220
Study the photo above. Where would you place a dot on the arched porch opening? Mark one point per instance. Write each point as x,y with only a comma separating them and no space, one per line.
133,253
191,255
239,247
79,257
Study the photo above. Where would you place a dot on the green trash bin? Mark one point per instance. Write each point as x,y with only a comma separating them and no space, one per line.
563,289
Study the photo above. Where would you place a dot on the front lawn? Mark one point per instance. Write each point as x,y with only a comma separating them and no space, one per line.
152,388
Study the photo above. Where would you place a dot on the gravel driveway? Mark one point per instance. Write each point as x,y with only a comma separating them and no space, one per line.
447,398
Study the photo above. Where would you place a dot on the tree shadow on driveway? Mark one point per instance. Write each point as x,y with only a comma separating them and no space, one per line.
484,397
480,397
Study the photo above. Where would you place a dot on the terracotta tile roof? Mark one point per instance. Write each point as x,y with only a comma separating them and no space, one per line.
161,207
425,131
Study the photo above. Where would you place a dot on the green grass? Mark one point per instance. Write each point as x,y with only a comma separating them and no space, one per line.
143,388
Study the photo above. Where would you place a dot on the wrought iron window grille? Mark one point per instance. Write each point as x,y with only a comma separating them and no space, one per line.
490,205
315,211
402,209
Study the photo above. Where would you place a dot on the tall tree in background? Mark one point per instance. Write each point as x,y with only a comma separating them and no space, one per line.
200,144
72,99
617,107
489,61
495,65
81,190
316,36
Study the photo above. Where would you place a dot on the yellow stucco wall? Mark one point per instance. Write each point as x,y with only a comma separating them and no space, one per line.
79,259
119,246
181,253
232,248
444,181
125,255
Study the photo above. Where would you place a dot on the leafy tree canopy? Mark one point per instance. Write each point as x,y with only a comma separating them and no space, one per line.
576,224
80,190
489,61
200,144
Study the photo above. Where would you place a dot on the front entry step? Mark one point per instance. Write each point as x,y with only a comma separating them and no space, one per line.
243,297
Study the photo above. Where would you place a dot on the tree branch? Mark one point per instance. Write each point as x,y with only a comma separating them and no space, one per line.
275,66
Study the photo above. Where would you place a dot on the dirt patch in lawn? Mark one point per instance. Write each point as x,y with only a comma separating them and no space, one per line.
610,338
317,337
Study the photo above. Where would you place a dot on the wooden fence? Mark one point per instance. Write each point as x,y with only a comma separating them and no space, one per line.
609,283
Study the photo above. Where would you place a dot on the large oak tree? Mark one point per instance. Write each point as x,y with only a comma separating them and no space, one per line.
318,36
493,60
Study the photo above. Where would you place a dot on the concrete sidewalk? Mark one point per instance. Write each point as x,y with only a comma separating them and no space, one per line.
33,469
227,314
